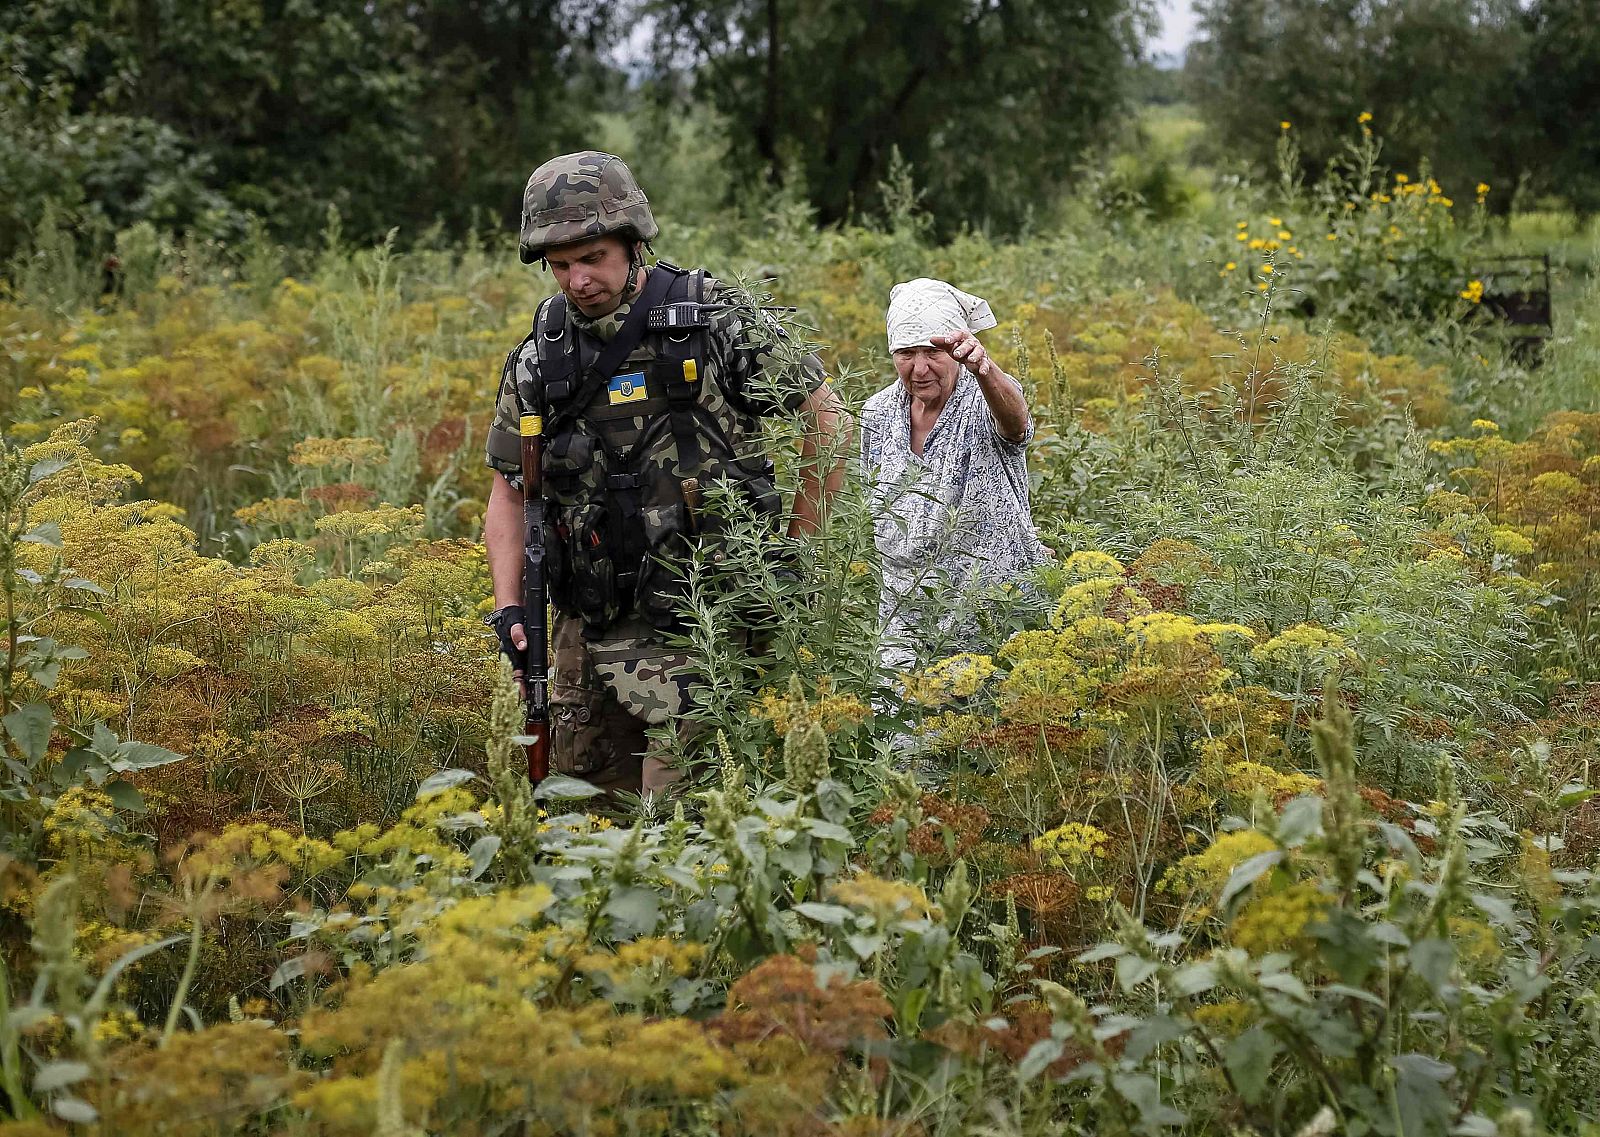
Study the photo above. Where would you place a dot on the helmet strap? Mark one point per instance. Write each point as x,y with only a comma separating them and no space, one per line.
635,263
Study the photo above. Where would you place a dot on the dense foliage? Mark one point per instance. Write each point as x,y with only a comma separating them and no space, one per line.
994,105
1489,90
202,117
1267,810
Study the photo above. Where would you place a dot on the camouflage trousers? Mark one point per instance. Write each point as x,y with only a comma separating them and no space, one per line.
604,698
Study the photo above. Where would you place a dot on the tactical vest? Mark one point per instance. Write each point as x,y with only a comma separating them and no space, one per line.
618,449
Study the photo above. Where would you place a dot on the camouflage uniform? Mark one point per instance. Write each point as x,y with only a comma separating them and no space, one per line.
614,678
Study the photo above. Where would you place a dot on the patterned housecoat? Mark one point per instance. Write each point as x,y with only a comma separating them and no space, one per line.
951,524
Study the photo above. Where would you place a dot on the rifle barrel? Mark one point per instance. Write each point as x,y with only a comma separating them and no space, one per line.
535,669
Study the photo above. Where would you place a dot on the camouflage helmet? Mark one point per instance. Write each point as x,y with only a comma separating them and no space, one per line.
578,196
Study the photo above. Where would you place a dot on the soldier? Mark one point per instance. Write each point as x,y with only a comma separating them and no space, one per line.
638,413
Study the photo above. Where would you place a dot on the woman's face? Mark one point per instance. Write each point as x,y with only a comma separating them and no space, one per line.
929,373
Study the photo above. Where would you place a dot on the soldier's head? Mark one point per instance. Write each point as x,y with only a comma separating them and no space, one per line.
596,274
577,211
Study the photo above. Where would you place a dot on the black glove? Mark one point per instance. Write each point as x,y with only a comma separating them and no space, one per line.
502,620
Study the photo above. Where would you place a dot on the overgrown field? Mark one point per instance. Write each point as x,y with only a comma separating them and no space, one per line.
1275,815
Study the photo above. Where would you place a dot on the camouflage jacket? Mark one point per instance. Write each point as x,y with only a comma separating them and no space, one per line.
737,384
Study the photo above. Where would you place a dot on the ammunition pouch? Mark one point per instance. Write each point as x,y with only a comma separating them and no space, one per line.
662,582
622,531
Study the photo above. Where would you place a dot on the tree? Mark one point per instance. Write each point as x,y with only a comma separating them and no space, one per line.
992,102
1562,89
194,114
1439,77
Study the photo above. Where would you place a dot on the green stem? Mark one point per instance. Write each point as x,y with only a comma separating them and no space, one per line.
11,1054
189,968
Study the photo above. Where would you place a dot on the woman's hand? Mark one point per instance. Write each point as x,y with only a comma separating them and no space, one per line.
964,348
1007,406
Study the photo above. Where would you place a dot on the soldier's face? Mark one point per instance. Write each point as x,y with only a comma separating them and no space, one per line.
929,373
593,274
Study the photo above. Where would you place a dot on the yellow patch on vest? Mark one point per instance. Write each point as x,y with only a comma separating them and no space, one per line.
691,371
627,388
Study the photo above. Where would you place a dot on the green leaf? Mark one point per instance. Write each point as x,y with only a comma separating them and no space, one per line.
1158,1030
1107,950
1497,909
1038,1058
286,971
1300,821
79,584
835,800
441,780
75,1110
1249,1062
1577,797
1347,944
1133,970
125,795
828,830
635,911
45,468
1431,960
482,854
865,946
833,915
45,533
1194,978
561,787
30,728
53,1076
1247,873
1419,1094
909,1005
132,756
1144,1092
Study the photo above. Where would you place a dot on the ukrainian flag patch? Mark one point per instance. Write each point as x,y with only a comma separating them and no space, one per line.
627,388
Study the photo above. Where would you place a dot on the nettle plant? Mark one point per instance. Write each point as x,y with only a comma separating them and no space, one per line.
1355,975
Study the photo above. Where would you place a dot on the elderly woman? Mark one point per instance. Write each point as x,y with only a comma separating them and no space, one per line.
944,450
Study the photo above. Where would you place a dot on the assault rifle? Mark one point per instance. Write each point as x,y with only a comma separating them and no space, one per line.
535,671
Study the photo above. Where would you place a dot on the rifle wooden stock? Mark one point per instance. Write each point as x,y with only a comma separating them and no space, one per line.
535,671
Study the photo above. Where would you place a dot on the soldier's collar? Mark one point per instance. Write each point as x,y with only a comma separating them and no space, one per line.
608,325
604,327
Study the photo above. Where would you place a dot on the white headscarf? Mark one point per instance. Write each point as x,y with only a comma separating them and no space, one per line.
922,308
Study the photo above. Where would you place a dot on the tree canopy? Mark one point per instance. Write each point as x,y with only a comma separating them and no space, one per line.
1486,90
992,103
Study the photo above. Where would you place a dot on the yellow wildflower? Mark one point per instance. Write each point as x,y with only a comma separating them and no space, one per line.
884,900
1208,870
1303,645
1278,920
1072,845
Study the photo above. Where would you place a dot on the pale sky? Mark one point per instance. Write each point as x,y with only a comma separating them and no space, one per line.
1177,28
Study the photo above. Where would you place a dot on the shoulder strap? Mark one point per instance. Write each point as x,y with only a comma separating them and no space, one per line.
549,360
631,334
621,345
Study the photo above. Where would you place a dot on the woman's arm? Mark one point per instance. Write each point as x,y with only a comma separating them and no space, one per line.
1003,393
